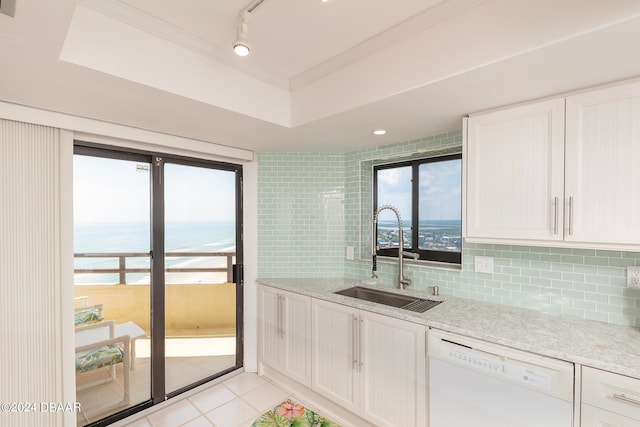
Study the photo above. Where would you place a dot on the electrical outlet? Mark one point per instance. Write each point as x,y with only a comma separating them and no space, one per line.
633,277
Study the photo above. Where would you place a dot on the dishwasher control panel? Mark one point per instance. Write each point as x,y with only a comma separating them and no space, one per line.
503,367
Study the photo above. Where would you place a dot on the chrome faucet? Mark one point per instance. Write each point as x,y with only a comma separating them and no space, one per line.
402,281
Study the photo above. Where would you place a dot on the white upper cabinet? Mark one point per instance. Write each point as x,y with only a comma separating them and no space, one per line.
514,176
546,173
603,166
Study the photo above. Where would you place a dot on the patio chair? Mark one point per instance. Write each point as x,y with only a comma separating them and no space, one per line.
97,348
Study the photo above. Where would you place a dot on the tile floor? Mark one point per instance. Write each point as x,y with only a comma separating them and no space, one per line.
236,402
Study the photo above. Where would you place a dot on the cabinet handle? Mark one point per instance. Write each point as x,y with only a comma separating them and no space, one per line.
279,315
283,319
570,215
626,399
354,341
360,344
555,215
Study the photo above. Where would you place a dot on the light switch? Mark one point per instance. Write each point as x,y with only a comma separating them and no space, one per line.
350,254
484,264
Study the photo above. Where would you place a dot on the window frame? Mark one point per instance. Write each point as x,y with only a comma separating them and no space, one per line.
448,257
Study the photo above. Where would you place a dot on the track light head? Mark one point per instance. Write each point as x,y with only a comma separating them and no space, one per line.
241,45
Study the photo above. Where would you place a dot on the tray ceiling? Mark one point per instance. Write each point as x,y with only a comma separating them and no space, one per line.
321,76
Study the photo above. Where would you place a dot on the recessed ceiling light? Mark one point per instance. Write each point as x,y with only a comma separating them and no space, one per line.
379,132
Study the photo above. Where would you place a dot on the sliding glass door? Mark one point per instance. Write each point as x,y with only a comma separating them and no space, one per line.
112,281
158,257
200,251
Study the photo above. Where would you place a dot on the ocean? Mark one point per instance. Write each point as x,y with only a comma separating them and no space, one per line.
119,237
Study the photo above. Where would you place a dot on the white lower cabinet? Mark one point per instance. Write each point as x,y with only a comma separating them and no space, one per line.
285,333
609,400
371,364
597,417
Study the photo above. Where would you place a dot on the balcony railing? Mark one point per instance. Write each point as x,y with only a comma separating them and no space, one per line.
122,269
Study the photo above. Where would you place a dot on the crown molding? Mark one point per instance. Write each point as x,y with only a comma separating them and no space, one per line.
410,27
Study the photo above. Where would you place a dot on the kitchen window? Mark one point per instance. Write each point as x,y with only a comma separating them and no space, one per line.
427,193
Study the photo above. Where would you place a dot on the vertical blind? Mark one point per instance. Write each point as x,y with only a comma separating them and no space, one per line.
31,337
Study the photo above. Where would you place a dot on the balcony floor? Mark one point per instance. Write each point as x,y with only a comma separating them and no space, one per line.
186,358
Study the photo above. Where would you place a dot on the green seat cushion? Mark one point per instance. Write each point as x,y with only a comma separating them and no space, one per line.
86,317
99,357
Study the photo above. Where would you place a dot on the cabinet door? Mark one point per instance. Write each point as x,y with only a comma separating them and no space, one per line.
615,393
269,329
392,371
335,353
603,166
596,417
295,356
514,173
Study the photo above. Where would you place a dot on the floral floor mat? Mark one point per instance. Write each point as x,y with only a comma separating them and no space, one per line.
292,414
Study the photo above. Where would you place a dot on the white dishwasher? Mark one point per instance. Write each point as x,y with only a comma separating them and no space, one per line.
474,383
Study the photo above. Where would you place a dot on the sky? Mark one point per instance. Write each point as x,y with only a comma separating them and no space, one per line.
108,190
440,191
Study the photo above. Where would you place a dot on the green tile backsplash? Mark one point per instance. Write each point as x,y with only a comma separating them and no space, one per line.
301,215
312,205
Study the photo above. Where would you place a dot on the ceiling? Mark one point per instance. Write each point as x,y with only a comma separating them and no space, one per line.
321,75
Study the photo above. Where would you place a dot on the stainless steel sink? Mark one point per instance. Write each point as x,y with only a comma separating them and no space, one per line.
406,302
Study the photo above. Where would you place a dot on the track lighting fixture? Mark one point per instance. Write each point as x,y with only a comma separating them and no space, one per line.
241,43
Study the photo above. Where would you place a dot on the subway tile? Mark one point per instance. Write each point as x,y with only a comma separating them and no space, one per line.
592,260
572,259
295,238
562,267
520,279
539,281
586,287
573,294
521,263
575,277
587,269
609,254
597,279
551,274
539,249
531,256
621,262
585,252
612,271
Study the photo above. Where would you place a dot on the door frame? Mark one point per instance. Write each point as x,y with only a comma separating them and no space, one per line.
157,159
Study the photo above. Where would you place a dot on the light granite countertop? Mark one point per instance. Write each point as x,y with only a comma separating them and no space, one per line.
599,345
